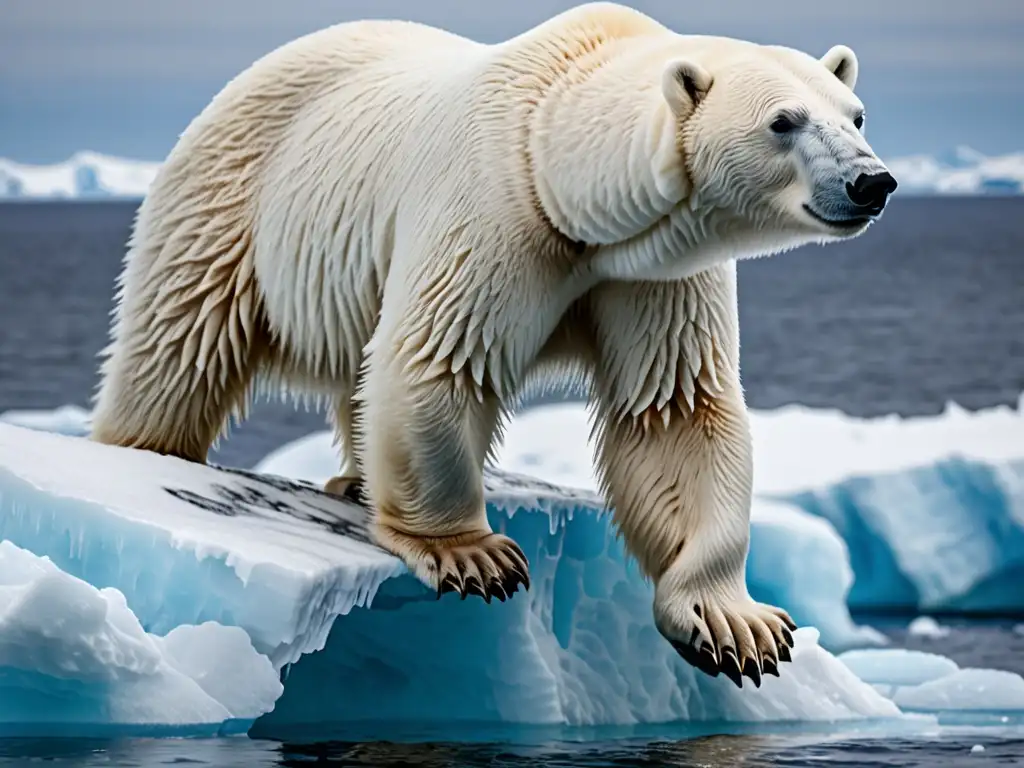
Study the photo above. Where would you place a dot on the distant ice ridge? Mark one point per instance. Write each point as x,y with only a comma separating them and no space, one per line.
962,171
89,175
66,420
926,682
930,510
83,176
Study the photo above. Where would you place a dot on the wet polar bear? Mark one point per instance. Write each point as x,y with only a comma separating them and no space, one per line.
416,226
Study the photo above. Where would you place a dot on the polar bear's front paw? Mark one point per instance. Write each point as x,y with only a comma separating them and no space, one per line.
476,563
735,637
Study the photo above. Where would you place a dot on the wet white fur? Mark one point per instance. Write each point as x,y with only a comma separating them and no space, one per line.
415,226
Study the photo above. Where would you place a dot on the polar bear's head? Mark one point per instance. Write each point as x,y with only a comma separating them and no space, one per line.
776,137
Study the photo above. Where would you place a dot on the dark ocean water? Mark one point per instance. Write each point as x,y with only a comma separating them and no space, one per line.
927,308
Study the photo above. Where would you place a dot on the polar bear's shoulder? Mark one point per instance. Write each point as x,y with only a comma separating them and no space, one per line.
593,24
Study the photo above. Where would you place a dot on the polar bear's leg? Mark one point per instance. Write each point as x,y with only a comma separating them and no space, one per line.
674,455
189,336
348,482
426,440
443,362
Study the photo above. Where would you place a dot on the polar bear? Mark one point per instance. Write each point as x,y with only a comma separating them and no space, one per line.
418,226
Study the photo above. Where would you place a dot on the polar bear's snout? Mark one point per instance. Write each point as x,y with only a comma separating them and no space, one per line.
849,185
870,191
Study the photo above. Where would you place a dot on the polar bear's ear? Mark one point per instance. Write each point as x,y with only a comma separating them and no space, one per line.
842,62
684,85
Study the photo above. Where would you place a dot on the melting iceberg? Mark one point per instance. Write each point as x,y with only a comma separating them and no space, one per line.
166,596
931,510
162,556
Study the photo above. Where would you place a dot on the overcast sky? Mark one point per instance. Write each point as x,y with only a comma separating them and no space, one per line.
125,76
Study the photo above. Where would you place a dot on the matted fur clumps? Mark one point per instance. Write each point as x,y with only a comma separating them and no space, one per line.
418,229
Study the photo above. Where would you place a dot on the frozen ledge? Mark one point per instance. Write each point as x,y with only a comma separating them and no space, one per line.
173,558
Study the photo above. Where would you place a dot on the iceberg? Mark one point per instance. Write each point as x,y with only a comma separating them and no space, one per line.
929,509
66,420
926,626
143,594
963,171
926,682
84,176
76,654
174,549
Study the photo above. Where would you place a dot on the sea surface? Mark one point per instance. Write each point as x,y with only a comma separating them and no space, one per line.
926,308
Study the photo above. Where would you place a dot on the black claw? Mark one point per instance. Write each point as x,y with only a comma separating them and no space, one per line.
769,666
704,660
524,577
473,587
751,670
709,649
495,588
784,654
731,666
789,623
788,637
707,664
510,584
354,492
448,584
519,561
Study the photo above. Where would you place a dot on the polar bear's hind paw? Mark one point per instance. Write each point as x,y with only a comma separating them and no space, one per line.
350,488
738,638
479,563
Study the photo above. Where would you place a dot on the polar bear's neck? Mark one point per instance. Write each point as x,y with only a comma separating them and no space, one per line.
693,238
604,145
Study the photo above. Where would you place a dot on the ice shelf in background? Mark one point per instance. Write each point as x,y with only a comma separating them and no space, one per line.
83,176
90,175
66,420
926,682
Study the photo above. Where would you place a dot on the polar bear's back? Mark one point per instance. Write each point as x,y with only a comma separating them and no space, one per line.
270,177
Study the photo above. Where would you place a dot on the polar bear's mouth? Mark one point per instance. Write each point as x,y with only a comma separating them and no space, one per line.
853,222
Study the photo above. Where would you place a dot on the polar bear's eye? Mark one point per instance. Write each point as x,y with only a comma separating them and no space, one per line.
858,121
782,124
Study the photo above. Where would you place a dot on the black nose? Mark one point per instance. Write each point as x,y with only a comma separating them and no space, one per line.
871,190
